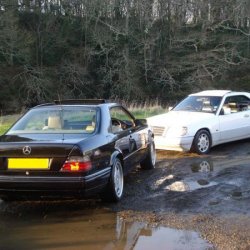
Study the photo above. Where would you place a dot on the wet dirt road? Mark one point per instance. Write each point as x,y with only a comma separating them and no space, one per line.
187,202
209,194
87,228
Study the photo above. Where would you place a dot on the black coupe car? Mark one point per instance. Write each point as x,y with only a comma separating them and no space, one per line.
73,149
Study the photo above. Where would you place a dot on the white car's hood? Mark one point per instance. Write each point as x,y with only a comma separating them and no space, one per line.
178,118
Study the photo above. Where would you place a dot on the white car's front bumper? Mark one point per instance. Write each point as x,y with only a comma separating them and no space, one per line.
183,143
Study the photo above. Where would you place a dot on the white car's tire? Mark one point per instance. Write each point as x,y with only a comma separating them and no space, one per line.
202,142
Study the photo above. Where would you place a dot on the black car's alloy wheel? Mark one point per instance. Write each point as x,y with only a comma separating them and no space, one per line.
118,179
149,161
114,191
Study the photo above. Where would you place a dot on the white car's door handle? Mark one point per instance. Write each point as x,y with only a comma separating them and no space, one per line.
246,115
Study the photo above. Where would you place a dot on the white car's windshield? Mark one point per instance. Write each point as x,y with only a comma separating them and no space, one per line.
208,104
57,120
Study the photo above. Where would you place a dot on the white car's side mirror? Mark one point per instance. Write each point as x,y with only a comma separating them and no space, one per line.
170,108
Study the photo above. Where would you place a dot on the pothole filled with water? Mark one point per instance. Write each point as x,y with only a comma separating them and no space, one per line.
91,229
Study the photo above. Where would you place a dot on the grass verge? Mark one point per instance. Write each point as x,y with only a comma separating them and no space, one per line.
6,121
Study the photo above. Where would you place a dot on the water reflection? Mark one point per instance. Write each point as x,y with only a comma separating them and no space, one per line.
202,169
98,229
203,166
196,173
169,239
189,185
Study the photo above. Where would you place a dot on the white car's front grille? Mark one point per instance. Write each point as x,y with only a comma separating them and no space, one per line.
158,131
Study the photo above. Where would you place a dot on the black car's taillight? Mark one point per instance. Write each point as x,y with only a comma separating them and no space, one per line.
77,164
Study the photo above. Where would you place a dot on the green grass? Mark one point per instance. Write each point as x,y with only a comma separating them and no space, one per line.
146,110
144,113
6,122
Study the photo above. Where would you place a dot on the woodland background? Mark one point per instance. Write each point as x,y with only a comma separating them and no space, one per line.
131,50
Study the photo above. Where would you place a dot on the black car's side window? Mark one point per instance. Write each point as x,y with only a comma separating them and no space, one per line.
120,119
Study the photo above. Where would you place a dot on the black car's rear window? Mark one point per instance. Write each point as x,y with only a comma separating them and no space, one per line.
57,119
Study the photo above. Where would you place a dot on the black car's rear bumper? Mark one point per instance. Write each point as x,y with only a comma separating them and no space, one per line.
51,186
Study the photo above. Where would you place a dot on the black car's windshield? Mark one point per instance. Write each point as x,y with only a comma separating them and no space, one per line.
208,104
55,119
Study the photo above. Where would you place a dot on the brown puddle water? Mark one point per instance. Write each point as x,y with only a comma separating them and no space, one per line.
91,229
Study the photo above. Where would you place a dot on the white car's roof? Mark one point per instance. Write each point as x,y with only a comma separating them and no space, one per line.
212,93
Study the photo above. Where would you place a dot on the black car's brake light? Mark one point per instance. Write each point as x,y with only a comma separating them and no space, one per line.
77,164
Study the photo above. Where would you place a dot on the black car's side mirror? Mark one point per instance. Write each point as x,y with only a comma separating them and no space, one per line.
141,122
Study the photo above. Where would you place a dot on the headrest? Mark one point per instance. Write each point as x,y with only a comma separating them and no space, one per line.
54,122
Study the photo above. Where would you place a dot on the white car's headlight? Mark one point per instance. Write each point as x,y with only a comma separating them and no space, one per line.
177,131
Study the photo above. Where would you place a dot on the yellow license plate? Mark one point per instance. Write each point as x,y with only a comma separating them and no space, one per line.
31,163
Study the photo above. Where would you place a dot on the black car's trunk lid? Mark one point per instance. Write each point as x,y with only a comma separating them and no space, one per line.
21,153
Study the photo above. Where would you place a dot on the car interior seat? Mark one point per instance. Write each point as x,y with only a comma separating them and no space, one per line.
54,122
207,107
233,106
226,110
116,125
91,127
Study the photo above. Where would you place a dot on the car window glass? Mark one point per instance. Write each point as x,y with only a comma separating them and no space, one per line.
206,104
57,120
120,119
235,104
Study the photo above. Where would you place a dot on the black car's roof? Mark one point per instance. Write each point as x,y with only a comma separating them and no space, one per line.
80,102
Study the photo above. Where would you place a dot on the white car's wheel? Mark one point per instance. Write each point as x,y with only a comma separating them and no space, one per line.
202,142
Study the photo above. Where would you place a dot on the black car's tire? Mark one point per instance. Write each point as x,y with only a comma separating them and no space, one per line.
202,142
149,161
114,190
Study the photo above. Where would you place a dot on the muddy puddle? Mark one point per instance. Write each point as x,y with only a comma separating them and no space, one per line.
90,229
198,173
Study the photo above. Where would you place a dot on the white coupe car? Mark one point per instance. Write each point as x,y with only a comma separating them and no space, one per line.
203,120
